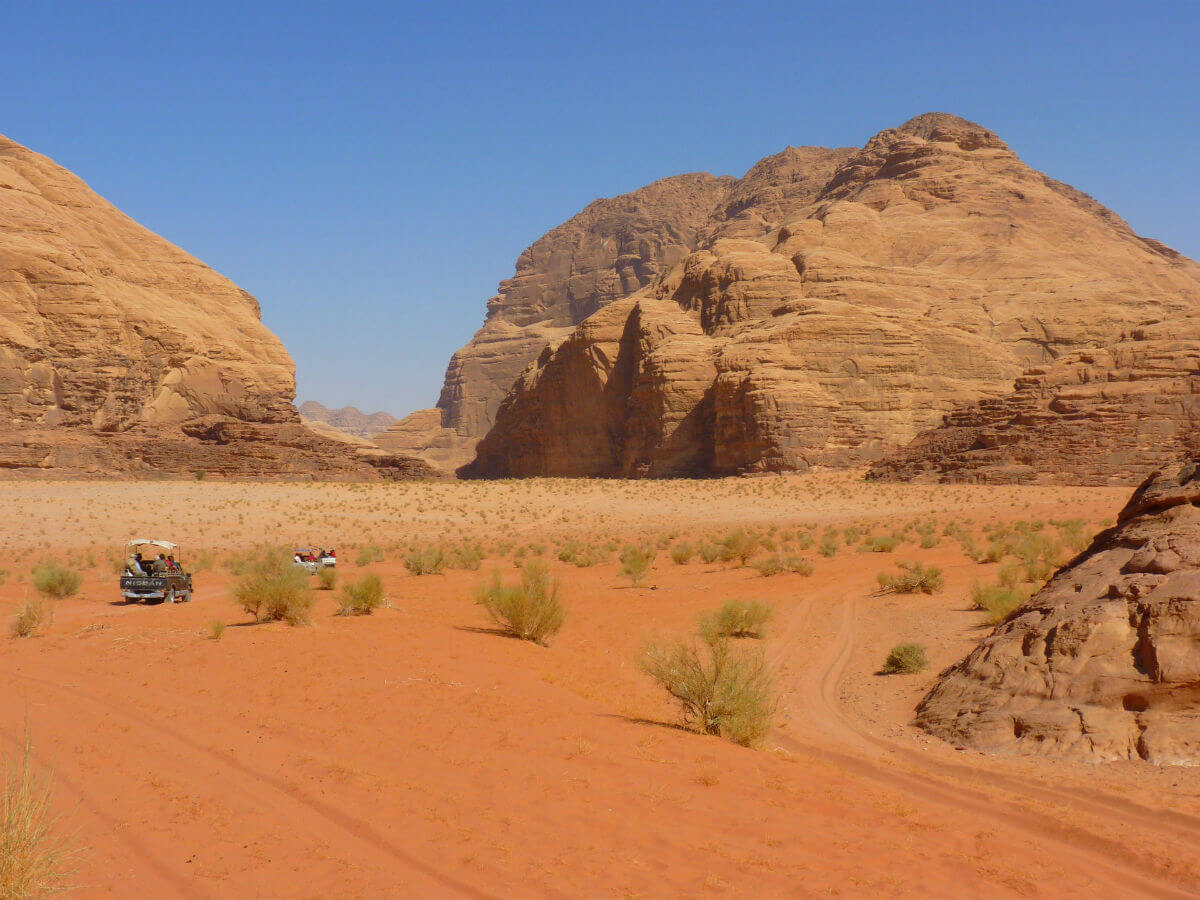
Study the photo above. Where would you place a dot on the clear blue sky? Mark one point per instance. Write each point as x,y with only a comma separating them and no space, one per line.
371,170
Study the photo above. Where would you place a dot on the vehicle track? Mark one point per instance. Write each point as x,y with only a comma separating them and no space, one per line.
889,763
264,788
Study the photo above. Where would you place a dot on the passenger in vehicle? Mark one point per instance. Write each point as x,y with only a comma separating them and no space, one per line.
171,564
160,565
133,565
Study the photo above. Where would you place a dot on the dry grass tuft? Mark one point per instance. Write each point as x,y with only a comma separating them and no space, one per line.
362,597
905,659
35,861
738,618
913,578
30,618
274,588
53,579
531,610
722,690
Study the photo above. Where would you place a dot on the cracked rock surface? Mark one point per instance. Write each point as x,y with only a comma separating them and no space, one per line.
1104,662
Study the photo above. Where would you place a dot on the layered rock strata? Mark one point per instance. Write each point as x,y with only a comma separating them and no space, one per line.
121,353
849,315
1104,662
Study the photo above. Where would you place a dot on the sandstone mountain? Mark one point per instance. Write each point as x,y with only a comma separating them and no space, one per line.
119,352
827,308
1104,662
348,419
610,250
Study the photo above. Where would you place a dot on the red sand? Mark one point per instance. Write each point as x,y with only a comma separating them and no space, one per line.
414,753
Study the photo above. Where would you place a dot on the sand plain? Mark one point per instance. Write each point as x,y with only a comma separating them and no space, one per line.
415,753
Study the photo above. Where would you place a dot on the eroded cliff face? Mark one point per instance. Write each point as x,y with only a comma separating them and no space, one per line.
1103,663
851,313
114,343
609,251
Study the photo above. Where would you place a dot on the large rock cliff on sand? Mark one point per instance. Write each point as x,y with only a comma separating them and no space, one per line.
836,305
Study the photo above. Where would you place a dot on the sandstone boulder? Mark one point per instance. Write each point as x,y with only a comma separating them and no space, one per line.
1104,662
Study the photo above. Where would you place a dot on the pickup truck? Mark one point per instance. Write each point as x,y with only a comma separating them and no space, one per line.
171,587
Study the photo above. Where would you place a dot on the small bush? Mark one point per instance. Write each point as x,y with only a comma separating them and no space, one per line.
829,546
274,588
430,561
53,579
778,563
35,861
531,610
913,578
466,557
998,601
327,578
372,553
739,546
32,615
216,630
722,690
905,659
636,563
682,553
362,597
738,618
710,553
881,543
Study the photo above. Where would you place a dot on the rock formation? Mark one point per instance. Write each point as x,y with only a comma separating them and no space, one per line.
119,352
1104,662
610,250
835,305
348,419
1101,416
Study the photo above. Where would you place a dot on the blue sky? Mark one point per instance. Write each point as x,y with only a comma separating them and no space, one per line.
370,171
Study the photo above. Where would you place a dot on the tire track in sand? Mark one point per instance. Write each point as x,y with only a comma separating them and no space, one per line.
253,781
816,688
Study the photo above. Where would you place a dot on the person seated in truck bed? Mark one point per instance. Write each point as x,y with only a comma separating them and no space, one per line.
133,565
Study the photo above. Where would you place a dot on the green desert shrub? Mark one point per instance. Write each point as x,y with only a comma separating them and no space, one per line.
368,555
426,561
36,860
739,546
778,563
273,588
467,557
53,579
682,553
32,615
721,689
738,618
531,610
327,578
636,563
216,630
905,659
361,597
829,545
998,601
710,552
912,578
882,543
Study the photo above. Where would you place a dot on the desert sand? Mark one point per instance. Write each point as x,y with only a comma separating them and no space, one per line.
417,753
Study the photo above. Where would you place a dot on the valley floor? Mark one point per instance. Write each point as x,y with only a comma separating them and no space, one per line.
417,753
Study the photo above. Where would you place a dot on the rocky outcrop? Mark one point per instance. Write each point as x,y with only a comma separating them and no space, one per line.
349,419
1104,662
609,251
120,353
851,313
1104,416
